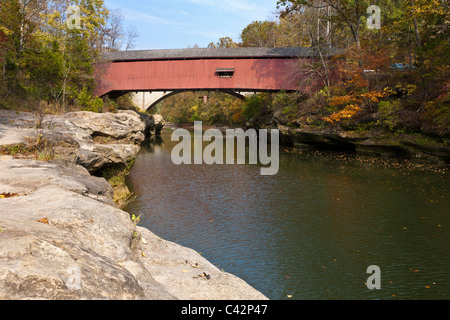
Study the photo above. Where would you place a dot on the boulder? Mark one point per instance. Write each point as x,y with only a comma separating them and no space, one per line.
153,123
61,237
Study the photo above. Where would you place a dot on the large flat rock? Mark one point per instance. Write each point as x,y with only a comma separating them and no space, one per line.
63,237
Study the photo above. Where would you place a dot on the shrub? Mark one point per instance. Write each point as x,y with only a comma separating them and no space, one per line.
87,102
389,113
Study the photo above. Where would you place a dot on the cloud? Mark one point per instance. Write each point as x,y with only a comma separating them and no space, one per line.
168,11
132,15
147,14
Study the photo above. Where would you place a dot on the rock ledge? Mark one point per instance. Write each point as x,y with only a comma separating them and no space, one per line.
63,237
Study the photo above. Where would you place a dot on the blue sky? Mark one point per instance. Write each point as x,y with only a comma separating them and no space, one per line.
176,24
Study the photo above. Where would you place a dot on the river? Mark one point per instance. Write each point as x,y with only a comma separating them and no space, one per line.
311,231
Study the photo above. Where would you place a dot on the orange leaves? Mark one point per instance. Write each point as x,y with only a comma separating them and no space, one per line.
44,221
340,100
352,105
348,112
373,96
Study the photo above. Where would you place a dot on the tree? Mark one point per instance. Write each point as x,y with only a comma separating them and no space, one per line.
12,31
113,33
225,42
131,35
260,34
345,13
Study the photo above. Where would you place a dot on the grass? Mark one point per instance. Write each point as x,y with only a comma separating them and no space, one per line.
35,148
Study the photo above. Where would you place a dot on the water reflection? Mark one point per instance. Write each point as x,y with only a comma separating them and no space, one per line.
312,230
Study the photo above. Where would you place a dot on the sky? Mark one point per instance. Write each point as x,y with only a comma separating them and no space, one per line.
178,24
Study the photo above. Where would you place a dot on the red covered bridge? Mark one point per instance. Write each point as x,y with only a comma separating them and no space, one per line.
230,70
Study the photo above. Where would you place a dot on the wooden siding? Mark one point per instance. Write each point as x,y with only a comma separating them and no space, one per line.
255,74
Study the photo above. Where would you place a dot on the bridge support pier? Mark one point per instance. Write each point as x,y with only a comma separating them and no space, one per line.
145,100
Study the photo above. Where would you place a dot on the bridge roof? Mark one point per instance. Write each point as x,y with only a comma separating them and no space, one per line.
215,53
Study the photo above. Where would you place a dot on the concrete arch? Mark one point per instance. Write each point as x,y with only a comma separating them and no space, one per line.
164,95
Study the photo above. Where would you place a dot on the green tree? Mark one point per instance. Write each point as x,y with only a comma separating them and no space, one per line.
260,34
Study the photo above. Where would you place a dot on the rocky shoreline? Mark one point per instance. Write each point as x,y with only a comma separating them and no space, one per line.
375,143
62,233
407,147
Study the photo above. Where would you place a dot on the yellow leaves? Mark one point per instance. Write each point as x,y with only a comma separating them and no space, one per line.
8,195
135,219
427,7
409,89
5,31
373,96
54,18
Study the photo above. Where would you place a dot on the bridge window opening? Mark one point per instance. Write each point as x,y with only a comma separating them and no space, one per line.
225,72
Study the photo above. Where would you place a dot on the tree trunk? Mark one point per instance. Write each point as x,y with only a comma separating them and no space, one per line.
416,29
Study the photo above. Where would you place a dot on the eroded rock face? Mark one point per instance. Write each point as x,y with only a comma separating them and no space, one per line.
62,224
92,140
21,177
63,237
370,144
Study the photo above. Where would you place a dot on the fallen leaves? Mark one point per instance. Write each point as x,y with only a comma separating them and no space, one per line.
44,221
8,195
205,275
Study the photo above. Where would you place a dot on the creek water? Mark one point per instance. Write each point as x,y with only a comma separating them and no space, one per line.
311,231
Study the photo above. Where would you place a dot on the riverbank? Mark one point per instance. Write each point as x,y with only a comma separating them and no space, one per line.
376,142
415,148
411,149
62,235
